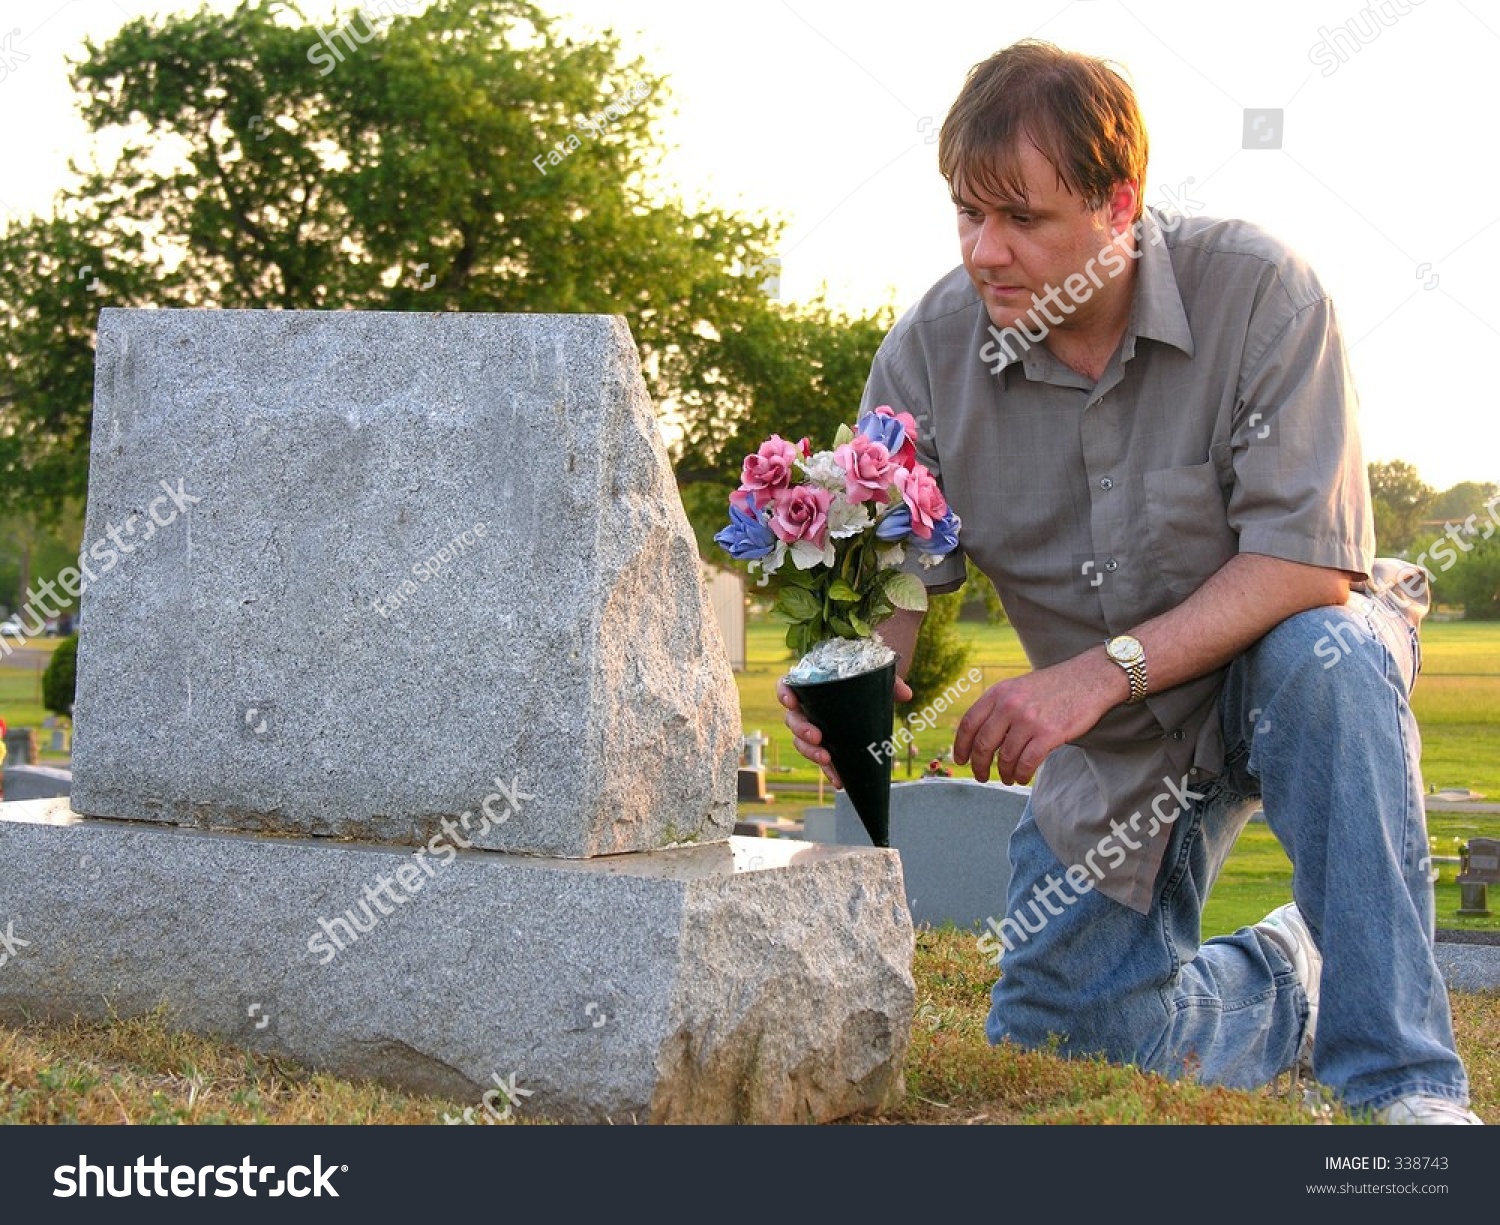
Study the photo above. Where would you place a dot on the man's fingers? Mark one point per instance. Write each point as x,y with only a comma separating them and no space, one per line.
807,739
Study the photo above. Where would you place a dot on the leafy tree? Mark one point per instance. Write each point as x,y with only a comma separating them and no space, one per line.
59,679
1456,504
1400,498
1474,581
939,655
797,373
981,601
457,159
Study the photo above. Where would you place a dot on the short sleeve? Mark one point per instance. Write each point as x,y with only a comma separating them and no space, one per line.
1300,488
889,384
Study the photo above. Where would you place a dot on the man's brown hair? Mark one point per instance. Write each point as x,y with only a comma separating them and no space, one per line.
1077,110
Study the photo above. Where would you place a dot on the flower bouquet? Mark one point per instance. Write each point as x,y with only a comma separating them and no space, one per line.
828,532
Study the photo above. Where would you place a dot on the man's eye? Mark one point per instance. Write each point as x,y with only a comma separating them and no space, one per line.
968,214
1022,218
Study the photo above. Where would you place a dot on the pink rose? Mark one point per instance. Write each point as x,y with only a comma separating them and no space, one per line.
769,469
801,513
920,492
868,469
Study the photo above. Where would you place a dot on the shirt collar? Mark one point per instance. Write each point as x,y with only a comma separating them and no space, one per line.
1157,313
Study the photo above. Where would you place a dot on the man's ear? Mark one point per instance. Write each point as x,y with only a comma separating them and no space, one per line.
1124,198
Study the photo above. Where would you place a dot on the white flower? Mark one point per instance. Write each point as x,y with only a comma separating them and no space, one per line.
824,471
769,564
806,555
929,560
891,555
846,518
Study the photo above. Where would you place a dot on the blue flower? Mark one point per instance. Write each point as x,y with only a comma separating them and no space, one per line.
896,432
896,525
944,538
747,536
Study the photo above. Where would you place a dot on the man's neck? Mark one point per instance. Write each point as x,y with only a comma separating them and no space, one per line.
1087,344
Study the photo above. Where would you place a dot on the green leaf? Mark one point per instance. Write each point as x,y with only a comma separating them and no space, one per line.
840,592
906,591
861,628
842,435
841,627
798,603
790,576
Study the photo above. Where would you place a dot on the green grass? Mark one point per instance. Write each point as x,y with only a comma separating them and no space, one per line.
141,1070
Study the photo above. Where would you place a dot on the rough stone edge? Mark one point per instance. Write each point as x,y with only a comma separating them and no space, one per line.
745,1053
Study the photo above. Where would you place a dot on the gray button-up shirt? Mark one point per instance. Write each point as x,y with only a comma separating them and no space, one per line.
1224,423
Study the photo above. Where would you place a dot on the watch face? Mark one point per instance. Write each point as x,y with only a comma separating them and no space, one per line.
1124,649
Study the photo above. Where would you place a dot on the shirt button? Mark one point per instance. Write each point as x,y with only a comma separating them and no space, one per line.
1106,483
1177,735
1111,565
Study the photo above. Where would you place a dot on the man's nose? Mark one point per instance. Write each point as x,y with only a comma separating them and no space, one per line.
991,247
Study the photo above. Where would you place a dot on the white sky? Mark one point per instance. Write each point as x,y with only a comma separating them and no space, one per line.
825,112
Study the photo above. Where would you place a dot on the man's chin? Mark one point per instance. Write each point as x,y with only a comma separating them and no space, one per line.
1001,319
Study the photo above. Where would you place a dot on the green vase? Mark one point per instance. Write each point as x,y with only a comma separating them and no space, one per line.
854,713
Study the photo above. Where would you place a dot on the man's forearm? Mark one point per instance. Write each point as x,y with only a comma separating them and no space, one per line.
1237,606
899,632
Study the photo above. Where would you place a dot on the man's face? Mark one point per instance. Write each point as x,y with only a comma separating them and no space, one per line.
1014,250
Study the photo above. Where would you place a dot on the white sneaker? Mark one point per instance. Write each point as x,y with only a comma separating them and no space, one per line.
1286,928
1423,1108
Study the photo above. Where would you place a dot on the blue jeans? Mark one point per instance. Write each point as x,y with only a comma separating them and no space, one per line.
1317,725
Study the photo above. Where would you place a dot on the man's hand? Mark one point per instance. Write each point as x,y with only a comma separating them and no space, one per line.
1017,722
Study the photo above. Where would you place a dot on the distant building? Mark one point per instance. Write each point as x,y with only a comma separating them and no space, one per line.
726,592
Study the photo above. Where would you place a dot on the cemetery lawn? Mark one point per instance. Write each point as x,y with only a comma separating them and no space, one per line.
140,1071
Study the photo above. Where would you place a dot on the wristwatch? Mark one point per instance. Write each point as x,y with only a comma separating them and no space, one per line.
1130,655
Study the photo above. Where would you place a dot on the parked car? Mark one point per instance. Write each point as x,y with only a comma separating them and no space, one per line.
12,626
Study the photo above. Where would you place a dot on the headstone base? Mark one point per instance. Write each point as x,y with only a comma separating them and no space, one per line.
751,980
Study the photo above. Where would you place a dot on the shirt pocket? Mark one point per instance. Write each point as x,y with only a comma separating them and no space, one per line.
1187,525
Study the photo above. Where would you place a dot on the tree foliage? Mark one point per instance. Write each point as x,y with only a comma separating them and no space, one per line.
939,655
1475,581
59,680
1400,500
410,173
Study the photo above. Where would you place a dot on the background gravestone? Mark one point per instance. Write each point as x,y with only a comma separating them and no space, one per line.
461,524
954,838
